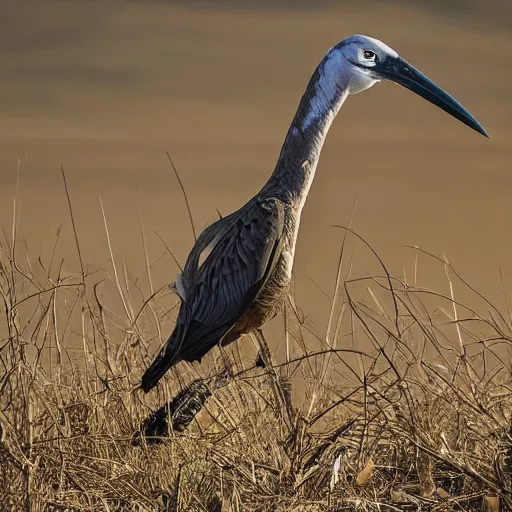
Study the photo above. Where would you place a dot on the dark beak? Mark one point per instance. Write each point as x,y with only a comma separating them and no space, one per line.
401,72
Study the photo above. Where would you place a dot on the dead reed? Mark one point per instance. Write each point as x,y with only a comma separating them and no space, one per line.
404,404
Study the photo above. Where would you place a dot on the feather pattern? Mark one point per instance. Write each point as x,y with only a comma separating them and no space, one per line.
243,250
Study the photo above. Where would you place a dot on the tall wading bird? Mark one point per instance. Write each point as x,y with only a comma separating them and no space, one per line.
237,274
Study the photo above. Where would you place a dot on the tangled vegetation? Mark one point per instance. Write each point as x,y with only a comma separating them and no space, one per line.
405,404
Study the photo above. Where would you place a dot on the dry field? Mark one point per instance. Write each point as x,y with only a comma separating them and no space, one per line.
390,383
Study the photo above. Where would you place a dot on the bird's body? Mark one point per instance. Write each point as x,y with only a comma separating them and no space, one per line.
237,274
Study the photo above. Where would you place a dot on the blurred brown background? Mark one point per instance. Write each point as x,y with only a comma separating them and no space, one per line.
105,88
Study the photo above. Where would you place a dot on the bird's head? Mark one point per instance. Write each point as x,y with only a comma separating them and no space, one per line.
367,61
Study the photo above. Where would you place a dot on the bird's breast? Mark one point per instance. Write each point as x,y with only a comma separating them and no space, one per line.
273,295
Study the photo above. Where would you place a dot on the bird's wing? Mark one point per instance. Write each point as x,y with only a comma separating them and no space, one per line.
224,274
226,271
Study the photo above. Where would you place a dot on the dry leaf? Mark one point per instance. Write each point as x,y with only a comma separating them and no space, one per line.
492,504
226,505
442,493
424,468
337,469
397,494
365,474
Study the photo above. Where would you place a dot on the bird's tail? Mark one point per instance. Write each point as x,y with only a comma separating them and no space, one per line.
168,357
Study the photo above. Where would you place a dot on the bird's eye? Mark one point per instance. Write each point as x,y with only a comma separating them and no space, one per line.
369,55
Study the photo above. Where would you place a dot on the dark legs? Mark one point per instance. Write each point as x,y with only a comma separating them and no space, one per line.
281,389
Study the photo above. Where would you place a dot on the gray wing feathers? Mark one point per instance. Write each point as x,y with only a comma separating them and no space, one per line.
241,258
241,250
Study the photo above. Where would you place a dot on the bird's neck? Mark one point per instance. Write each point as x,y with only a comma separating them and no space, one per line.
296,166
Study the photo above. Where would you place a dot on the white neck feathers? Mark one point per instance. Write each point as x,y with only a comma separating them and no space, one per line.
330,90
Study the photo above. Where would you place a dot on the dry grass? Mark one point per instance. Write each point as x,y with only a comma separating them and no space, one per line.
420,420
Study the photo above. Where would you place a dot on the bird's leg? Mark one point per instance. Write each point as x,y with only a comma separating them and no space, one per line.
282,393
225,362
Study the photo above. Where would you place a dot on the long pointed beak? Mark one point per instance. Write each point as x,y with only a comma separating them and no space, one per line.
401,72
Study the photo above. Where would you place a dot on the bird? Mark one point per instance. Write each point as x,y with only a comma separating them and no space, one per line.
236,276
